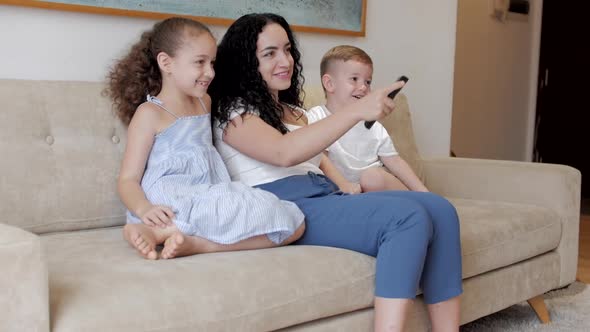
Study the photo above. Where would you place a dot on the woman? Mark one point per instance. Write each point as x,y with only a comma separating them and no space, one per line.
414,236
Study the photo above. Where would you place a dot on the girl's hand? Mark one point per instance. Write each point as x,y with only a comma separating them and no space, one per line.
158,216
351,188
376,104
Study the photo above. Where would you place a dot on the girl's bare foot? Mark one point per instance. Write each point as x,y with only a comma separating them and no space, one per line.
178,245
142,238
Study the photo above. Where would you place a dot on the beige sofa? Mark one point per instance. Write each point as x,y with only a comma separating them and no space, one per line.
65,266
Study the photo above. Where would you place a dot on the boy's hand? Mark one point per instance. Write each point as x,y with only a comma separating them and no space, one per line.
376,104
351,188
158,216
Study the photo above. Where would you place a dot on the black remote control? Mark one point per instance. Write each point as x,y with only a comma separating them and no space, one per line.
369,124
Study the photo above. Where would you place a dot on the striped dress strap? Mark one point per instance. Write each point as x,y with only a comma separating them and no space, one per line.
158,102
203,105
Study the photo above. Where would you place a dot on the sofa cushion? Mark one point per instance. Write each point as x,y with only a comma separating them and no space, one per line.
497,234
98,283
399,126
255,290
61,149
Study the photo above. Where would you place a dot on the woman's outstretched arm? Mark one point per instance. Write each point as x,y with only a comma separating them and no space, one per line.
255,138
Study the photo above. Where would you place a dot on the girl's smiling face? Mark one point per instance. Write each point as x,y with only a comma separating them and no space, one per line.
192,65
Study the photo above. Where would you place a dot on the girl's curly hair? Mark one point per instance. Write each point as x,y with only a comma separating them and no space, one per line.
138,74
238,82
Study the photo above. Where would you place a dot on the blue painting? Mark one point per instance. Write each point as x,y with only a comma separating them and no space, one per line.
329,16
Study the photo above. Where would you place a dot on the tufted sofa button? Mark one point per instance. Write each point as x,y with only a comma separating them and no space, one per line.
115,139
49,139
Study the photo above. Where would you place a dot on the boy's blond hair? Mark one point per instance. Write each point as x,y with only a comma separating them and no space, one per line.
343,53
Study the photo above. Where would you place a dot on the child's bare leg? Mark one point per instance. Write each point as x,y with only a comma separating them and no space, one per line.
178,244
296,235
145,238
378,179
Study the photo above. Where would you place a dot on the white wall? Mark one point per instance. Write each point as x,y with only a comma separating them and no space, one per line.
496,65
415,38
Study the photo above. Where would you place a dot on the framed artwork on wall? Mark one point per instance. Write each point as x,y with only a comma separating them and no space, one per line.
340,17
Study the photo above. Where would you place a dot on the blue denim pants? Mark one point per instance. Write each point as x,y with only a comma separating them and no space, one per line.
413,235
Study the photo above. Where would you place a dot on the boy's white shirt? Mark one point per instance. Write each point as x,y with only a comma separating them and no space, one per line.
358,149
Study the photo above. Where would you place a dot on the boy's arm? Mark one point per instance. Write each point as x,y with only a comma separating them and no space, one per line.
398,167
334,174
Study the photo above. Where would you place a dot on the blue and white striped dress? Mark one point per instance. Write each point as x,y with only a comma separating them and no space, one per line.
186,173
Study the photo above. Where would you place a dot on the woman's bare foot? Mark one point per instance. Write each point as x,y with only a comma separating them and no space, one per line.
142,238
178,245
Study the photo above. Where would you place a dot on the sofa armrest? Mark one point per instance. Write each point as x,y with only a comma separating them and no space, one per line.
24,290
553,186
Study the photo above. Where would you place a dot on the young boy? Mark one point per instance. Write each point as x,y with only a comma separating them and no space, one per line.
363,159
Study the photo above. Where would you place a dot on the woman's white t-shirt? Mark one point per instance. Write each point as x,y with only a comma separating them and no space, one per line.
251,171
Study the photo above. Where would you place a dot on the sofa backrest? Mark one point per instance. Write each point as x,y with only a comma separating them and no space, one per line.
60,151
61,147
398,125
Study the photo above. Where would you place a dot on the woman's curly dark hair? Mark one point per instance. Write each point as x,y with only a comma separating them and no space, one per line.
238,83
138,74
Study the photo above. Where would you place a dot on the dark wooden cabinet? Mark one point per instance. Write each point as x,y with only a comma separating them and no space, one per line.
562,132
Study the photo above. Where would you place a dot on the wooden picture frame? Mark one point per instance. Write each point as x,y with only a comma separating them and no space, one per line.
347,18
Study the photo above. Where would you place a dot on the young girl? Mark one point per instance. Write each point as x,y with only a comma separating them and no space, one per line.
413,235
172,180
